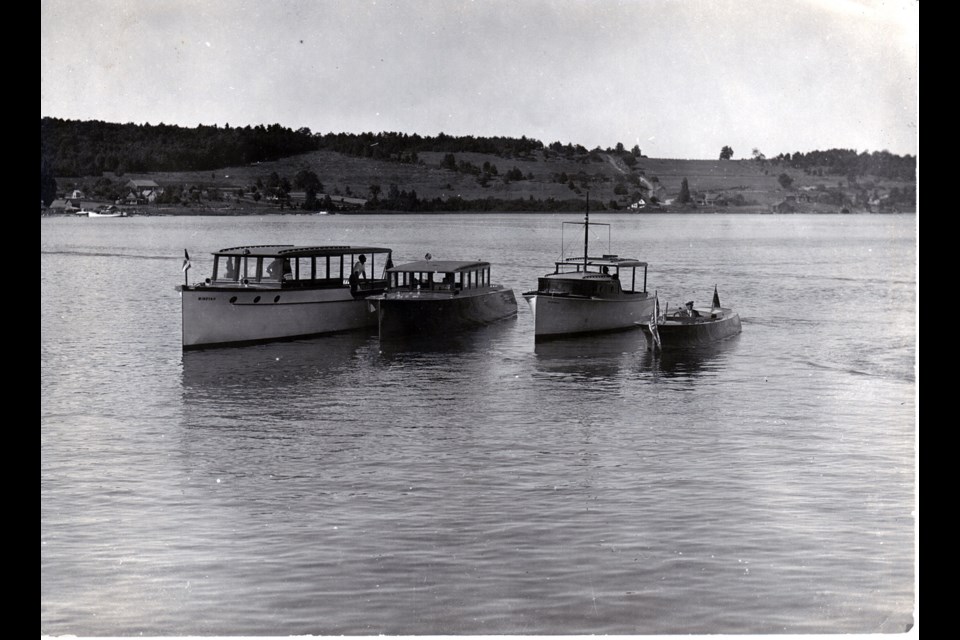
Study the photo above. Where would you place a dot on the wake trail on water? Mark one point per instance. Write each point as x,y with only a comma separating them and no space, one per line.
103,254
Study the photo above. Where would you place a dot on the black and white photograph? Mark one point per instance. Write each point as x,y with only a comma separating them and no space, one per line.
479,318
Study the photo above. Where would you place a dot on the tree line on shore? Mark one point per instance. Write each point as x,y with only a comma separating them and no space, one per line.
73,148
848,163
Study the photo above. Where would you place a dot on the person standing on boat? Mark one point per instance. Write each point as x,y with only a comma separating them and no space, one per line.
358,270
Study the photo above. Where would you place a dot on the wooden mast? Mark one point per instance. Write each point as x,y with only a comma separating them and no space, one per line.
586,232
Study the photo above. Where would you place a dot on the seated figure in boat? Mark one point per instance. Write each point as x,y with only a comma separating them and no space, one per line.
690,312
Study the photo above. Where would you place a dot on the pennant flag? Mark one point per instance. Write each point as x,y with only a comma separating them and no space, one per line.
654,320
716,298
186,261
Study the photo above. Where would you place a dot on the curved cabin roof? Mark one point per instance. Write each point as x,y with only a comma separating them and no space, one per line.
292,251
440,266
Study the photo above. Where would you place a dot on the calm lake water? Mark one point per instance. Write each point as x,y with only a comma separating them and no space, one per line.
482,483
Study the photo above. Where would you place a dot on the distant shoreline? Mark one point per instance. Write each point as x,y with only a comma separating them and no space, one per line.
248,212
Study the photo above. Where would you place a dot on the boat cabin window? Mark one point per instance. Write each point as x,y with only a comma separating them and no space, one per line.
440,280
413,279
252,268
321,268
292,271
327,268
304,268
279,269
227,268
236,268
422,280
475,279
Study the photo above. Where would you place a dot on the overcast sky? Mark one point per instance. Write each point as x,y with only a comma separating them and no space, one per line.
679,78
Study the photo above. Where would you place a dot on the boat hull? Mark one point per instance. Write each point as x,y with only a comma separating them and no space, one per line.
680,333
556,316
410,313
232,316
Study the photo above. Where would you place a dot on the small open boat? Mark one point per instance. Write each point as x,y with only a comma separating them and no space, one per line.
437,297
689,326
106,212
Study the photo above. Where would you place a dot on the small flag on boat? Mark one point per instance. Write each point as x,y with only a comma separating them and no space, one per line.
654,320
186,261
716,298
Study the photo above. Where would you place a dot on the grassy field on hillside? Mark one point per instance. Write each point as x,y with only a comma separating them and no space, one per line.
754,186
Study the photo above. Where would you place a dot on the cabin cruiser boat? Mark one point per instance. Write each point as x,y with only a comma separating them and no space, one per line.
276,292
440,296
590,294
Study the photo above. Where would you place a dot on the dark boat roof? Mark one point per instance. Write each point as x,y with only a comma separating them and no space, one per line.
443,266
293,251
605,261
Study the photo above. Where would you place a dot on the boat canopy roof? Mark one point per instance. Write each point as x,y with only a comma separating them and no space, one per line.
440,266
604,261
293,251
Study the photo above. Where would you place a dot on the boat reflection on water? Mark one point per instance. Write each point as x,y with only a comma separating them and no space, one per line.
693,361
607,356
477,339
593,357
243,373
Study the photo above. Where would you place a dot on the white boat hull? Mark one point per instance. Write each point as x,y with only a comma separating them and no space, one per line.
216,317
567,315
